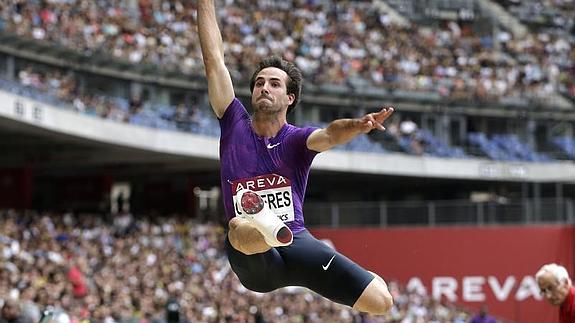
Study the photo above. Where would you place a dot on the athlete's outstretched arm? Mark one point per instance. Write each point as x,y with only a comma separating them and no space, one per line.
342,131
220,88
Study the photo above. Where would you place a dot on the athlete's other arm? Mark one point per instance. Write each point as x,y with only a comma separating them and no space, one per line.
342,131
220,88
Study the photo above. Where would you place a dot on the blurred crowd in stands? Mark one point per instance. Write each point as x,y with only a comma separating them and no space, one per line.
168,269
557,16
402,135
63,87
337,43
333,42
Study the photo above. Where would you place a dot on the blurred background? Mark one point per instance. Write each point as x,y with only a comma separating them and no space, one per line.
110,208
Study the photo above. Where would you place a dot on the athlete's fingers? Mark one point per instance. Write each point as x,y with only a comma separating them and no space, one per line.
379,126
366,125
384,113
375,120
370,120
379,118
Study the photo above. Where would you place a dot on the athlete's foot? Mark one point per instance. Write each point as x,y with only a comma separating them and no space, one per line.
275,232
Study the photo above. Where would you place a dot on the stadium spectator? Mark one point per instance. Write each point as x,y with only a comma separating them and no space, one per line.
453,62
76,278
557,288
137,275
11,312
331,41
408,127
30,309
482,316
64,87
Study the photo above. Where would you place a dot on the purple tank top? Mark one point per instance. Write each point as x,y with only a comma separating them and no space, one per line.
276,168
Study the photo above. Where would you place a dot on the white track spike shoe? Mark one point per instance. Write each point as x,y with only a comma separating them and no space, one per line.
275,232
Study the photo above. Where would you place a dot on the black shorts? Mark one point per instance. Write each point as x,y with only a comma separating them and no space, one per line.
307,262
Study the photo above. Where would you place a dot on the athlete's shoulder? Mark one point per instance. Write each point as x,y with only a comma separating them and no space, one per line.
234,112
300,132
235,106
294,129
297,137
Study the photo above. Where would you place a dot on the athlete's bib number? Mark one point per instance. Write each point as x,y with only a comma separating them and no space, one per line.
274,189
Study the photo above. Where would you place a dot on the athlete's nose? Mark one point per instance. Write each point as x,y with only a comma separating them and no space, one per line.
265,89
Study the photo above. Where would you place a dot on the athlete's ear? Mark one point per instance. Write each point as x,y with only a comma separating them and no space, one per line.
291,98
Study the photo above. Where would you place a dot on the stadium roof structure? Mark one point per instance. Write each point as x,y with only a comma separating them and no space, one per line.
52,151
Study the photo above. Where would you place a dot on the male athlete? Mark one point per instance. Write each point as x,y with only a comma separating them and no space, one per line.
265,164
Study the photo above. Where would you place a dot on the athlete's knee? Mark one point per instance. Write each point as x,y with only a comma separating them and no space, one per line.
236,222
386,302
385,298
376,298
235,241
245,239
238,244
381,303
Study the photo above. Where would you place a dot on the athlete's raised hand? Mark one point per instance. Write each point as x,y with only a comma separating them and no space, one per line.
220,88
341,131
375,120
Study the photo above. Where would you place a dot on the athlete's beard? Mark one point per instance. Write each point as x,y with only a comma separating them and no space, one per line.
266,106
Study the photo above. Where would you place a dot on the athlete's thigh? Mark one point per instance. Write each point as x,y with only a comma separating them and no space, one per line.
313,264
261,272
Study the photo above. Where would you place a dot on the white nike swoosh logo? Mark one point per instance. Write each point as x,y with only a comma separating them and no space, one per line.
329,263
270,146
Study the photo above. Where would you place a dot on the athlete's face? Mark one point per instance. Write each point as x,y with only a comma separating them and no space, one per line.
270,91
552,290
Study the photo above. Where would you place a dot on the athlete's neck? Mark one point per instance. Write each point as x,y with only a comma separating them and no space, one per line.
267,125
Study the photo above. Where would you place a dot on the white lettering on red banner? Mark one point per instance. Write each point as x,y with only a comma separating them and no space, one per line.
444,286
274,189
527,288
501,293
473,288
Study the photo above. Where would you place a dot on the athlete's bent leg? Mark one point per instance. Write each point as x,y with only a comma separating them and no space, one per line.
245,238
375,298
275,232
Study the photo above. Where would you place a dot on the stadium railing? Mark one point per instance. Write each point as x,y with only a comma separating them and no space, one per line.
440,213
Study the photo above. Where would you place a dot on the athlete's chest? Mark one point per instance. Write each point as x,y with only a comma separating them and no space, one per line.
256,155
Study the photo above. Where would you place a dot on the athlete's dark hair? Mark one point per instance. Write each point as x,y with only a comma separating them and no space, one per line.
294,76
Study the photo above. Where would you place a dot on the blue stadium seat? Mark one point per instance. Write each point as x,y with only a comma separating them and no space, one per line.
566,144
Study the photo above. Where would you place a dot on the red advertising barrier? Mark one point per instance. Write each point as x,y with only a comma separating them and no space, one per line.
469,266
